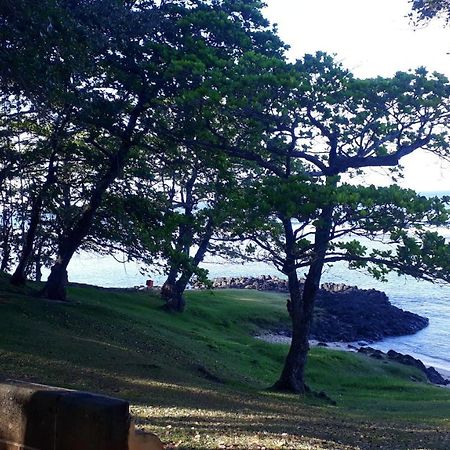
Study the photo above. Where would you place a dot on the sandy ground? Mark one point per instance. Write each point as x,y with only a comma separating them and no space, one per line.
344,346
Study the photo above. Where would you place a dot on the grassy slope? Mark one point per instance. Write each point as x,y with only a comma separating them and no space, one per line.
198,379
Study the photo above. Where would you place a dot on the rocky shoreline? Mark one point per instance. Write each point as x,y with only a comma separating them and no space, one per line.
433,376
439,377
343,313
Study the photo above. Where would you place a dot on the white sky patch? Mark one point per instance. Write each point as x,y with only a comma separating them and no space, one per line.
371,38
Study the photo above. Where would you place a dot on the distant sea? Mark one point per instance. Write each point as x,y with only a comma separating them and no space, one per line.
431,345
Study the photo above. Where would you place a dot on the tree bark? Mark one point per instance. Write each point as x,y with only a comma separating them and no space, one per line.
38,263
168,287
6,248
292,375
301,304
19,278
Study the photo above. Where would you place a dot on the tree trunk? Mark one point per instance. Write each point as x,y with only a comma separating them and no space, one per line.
55,287
168,287
38,269
19,276
169,291
176,302
301,305
6,252
6,232
292,376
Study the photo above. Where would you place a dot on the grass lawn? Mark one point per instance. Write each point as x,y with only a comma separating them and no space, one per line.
199,379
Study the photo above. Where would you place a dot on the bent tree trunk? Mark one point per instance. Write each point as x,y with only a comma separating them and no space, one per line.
19,275
38,263
55,287
6,250
301,304
19,278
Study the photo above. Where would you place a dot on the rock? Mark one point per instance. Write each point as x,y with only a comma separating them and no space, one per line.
435,377
372,352
351,315
432,374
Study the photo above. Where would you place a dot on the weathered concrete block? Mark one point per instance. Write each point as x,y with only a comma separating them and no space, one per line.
36,417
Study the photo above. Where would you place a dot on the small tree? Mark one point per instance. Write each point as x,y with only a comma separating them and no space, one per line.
195,214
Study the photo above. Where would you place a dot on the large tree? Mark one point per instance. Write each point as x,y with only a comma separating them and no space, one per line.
317,124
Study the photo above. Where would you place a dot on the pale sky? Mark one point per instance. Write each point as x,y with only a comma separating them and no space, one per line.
370,37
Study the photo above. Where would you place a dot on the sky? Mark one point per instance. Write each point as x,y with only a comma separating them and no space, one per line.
370,37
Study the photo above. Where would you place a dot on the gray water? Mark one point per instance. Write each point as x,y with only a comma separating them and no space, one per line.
432,345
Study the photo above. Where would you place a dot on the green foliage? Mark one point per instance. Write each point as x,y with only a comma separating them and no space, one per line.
425,10
132,79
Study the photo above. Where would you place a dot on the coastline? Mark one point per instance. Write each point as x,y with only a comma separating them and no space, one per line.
431,345
341,346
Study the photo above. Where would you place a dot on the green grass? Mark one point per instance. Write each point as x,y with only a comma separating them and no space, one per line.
199,378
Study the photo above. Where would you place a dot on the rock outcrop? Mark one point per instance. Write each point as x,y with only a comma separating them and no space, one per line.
343,313
264,283
433,376
361,314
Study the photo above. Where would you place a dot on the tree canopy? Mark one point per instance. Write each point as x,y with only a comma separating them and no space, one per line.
425,10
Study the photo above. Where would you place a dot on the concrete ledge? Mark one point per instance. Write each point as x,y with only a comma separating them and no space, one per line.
37,417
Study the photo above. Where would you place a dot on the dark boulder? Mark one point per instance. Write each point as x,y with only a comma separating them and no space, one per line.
432,374
359,314
372,352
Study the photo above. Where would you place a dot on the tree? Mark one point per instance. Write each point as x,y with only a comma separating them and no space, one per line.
425,10
319,123
47,148
134,67
198,205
